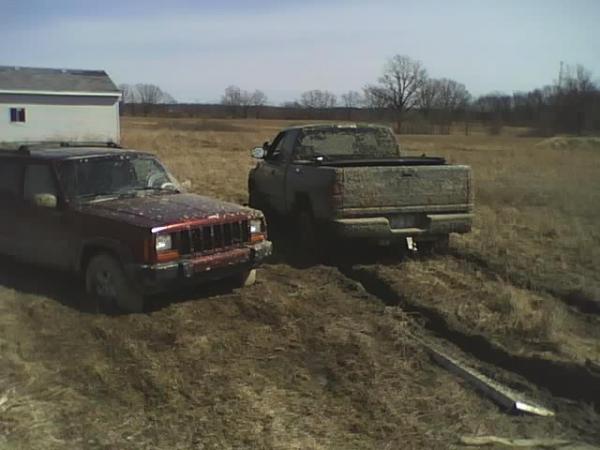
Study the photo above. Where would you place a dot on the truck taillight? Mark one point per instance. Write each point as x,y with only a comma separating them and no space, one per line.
337,190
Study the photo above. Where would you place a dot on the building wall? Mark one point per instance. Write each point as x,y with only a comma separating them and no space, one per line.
60,118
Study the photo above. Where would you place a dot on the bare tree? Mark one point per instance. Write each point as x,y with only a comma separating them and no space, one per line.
318,99
352,99
241,100
232,96
128,93
428,96
576,95
257,98
150,94
398,88
375,97
128,98
452,96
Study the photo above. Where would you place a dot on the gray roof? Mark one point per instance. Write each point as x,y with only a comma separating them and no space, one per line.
55,80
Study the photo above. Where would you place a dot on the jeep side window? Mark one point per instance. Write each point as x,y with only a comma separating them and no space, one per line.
39,179
10,179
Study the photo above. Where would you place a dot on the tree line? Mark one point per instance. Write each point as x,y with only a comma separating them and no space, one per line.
142,97
405,94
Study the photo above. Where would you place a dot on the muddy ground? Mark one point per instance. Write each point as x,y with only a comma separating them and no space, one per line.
319,356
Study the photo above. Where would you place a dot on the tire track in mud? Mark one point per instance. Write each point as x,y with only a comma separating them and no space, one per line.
577,299
562,379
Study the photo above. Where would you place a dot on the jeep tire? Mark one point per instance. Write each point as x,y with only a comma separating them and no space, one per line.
107,285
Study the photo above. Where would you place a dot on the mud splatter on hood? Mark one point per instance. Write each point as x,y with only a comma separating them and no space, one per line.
153,211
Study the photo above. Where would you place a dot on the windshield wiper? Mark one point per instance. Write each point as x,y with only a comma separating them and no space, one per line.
106,195
98,194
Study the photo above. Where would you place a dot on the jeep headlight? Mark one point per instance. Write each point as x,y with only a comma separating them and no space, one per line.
255,226
257,231
163,242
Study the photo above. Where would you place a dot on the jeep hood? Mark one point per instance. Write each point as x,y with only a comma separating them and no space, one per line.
161,210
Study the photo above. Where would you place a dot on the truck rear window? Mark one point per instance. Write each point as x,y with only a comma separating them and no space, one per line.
347,143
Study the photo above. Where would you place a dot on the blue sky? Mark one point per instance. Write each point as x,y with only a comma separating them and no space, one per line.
194,49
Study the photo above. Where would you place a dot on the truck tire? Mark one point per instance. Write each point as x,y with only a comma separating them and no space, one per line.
106,283
246,278
308,241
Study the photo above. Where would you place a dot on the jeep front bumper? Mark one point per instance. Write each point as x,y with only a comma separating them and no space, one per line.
197,269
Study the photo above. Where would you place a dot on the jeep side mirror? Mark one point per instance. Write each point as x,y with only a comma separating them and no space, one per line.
258,153
45,200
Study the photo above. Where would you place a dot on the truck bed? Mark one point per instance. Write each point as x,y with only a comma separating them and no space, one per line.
432,186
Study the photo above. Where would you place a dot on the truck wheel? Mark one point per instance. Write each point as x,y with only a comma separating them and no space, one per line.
307,234
246,278
106,283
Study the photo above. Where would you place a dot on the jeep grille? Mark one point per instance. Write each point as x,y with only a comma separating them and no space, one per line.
211,238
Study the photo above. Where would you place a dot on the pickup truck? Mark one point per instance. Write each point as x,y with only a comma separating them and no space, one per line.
119,218
349,182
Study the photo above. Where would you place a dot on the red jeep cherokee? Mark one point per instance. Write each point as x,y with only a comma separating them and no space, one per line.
119,218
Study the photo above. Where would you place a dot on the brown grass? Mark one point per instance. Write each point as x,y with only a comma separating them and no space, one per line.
305,358
536,227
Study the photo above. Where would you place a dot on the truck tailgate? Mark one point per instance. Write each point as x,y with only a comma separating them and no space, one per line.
405,186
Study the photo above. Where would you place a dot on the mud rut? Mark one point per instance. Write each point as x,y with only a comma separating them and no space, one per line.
567,387
562,379
562,385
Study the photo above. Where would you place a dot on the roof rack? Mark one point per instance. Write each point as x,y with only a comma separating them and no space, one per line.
26,148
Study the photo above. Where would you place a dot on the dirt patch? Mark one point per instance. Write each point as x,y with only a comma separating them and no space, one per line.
304,359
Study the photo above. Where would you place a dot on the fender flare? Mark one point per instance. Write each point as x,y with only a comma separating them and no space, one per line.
89,247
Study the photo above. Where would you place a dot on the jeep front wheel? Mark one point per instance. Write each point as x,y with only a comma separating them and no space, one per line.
106,283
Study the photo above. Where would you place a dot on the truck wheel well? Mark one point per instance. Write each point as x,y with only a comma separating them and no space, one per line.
92,250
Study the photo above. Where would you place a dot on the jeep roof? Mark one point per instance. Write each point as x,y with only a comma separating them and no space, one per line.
68,151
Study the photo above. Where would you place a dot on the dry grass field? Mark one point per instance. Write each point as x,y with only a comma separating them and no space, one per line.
324,357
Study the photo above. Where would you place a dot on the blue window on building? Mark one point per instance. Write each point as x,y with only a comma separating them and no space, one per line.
17,115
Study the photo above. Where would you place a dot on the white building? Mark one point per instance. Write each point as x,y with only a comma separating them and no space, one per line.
58,105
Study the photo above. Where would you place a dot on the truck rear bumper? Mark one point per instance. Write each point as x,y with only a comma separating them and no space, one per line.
160,277
381,227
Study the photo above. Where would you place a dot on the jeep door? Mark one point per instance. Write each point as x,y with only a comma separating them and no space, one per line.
43,233
11,174
270,176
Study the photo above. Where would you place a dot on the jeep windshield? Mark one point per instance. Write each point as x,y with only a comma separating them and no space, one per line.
97,178
345,143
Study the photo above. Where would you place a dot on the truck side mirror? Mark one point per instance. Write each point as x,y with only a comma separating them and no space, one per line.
258,153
